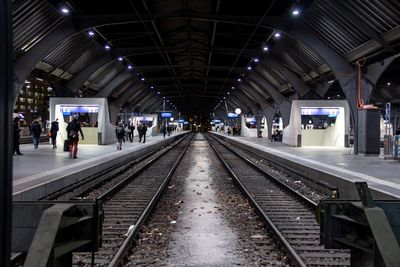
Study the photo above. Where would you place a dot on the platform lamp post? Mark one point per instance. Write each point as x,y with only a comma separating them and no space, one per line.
239,111
6,128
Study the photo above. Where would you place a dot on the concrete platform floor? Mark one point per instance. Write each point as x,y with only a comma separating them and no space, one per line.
31,168
205,238
382,175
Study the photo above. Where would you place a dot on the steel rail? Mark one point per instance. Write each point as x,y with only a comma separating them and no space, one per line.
291,251
119,256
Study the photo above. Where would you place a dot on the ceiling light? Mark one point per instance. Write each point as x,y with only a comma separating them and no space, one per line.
331,81
107,47
265,48
91,33
39,79
338,95
152,87
329,97
249,67
228,93
256,60
65,10
389,84
129,66
26,81
277,34
120,58
233,87
239,80
224,97
142,79
295,12
158,92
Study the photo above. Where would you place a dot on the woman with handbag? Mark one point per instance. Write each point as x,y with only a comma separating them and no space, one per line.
73,130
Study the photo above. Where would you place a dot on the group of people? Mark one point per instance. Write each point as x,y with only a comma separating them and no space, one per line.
165,130
35,130
122,133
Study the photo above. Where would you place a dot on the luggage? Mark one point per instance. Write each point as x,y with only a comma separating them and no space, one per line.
66,145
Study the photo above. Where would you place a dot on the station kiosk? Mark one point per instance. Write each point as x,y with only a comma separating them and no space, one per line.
318,123
93,115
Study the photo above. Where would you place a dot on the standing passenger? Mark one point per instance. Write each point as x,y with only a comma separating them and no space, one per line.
17,135
73,130
35,131
163,130
132,132
139,129
120,134
144,130
53,131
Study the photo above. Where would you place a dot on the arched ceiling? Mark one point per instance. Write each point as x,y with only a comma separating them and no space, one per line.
198,54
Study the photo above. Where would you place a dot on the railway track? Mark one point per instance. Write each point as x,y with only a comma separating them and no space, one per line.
289,214
112,176
128,203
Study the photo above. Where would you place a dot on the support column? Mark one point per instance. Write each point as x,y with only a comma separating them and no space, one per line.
6,126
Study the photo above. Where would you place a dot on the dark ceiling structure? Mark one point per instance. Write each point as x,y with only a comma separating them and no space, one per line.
210,56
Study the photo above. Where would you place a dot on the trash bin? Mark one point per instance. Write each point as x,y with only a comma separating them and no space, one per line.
388,146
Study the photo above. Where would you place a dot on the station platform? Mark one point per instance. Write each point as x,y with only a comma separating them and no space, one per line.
37,170
381,175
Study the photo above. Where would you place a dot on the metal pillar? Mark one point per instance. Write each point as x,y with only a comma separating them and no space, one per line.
6,124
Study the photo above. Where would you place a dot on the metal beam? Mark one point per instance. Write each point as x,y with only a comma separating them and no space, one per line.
76,83
146,104
154,106
189,67
257,93
107,90
6,126
357,22
78,23
90,21
258,79
298,85
131,91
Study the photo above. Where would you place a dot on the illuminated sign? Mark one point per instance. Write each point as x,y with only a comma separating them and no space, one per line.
251,120
144,119
67,110
330,112
166,114
233,115
217,121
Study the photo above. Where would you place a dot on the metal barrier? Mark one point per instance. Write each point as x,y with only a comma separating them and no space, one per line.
50,231
370,229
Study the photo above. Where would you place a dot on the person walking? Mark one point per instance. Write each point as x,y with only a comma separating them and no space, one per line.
73,130
35,131
120,134
17,135
53,132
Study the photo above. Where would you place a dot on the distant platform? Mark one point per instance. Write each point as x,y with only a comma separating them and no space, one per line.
381,175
